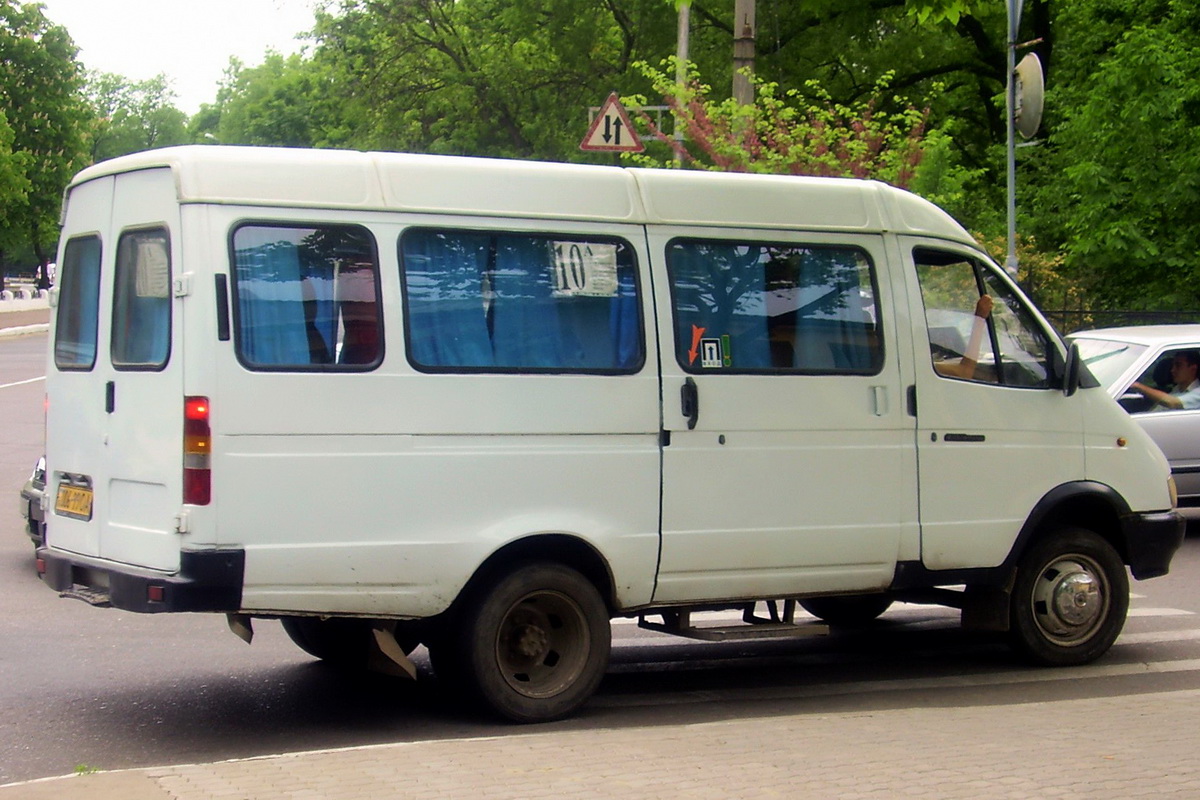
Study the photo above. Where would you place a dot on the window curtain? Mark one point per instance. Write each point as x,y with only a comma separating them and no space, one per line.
272,324
526,329
623,322
447,324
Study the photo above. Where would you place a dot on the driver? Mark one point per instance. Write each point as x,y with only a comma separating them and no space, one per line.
1186,391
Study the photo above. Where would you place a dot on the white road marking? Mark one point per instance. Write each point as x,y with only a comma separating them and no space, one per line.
22,383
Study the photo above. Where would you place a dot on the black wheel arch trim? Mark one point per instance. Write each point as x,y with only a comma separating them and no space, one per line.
1146,541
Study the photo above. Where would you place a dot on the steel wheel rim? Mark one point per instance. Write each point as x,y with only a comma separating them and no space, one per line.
1071,599
542,644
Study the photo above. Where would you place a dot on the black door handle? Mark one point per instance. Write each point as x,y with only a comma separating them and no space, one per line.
110,397
964,437
689,402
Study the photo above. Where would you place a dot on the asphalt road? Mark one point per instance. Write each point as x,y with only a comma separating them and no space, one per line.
101,688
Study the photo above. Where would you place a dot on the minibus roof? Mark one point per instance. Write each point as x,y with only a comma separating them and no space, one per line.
353,180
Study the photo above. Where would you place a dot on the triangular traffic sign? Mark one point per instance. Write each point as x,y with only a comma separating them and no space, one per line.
611,130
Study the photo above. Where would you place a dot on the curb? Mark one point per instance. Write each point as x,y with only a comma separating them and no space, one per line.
24,330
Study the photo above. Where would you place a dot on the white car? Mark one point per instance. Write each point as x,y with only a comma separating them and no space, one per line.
31,502
1118,357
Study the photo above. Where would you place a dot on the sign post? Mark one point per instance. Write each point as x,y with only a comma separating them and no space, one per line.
611,131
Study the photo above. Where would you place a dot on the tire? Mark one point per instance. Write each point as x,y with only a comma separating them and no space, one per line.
1070,599
340,641
533,646
847,610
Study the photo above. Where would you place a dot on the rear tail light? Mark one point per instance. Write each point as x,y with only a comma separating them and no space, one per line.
197,455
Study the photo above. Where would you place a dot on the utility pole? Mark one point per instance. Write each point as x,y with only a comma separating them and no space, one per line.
743,50
682,38
1010,104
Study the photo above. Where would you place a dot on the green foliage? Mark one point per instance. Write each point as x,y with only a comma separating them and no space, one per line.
280,102
782,132
486,77
1122,177
40,92
14,178
133,116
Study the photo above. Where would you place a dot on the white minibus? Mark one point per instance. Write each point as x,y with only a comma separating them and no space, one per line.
487,406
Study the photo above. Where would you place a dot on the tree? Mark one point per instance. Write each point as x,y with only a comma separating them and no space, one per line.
283,101
486,77
41,93
1119,184
783,133
133,116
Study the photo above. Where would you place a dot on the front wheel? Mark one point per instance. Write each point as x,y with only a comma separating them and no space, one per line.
1070,599
535,645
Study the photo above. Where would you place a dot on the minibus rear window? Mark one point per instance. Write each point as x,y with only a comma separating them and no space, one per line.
757,307
306,297
508,302
141,319
78,305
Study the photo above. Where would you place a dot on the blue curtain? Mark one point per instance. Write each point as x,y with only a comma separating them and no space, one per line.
526,329
272,325
623,322
477,300
447,322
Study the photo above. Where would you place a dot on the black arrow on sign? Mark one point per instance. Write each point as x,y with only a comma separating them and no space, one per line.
609,125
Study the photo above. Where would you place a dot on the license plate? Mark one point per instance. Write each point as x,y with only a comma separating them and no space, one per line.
74,501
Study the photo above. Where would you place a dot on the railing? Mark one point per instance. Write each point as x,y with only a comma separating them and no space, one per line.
1071,321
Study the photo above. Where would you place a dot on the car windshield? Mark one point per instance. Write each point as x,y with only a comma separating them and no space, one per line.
1108,360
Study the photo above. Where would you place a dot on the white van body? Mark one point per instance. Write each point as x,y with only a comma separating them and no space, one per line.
732,391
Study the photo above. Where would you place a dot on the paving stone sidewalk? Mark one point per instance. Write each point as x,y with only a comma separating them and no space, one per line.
1120,747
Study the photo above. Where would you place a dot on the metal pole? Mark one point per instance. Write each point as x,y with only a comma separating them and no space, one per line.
743,50
681,59
1010,105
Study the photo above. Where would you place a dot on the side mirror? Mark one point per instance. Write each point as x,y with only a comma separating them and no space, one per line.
1070,382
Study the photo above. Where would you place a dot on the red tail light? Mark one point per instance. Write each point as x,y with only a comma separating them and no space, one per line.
197,449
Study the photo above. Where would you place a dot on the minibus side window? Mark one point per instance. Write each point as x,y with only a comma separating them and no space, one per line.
480,301
306,297
78,305
141,319
1006,346
791,308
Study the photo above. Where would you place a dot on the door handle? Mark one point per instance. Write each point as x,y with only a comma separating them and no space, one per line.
689,402
964,437
110,397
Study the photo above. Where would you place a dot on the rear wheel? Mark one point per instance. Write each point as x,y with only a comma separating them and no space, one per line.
1070,599
848,610
534,646
343,641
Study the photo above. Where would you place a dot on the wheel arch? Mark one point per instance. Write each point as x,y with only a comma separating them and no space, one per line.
556,548
1084,504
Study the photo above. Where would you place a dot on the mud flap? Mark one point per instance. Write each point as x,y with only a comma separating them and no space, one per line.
241,626
387,656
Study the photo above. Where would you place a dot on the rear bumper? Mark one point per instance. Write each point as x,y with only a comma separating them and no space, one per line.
1151,541
208,580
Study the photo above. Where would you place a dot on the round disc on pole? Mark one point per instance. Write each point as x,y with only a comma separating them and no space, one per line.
1030,92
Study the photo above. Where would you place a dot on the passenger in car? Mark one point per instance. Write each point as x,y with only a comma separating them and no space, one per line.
1186,391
